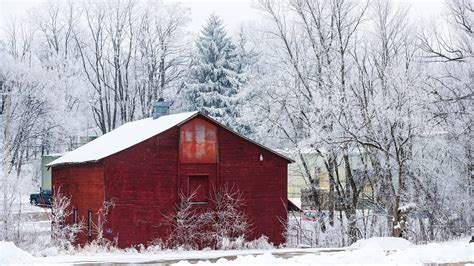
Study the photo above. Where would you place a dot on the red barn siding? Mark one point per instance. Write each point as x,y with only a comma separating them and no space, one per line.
84,185
142,182
264,183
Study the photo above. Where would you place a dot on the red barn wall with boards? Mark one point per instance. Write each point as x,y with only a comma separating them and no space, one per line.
264,183
84,185
144,181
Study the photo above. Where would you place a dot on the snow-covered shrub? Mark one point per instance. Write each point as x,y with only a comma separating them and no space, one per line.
304,231
259,243
241,243
223,225
63,234
229,223
187,225
98,227
157,246
42,249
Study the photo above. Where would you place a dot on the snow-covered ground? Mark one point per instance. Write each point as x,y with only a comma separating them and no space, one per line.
23,205
371,251
368,251
34,219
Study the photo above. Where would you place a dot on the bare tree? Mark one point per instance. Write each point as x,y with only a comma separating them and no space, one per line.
451,85
19,39
456,46
389,133
106,47
161,55
315,50
22,117
92,50
56,21
131,55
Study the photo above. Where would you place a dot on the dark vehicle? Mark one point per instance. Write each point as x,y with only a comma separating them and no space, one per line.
41,199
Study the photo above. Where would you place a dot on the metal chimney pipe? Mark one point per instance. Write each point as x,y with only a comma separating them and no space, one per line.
160,108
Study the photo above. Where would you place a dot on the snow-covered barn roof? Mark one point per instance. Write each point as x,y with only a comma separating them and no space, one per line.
131,134
122,138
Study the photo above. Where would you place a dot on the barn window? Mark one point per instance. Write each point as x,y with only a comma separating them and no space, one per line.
198,142
89,224
199,185
74,211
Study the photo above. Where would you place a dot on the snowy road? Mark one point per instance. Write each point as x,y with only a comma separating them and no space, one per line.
169,258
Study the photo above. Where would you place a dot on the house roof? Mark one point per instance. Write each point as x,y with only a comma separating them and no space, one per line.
90,132
131,134
292,206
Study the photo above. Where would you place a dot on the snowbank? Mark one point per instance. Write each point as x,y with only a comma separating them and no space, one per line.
11,255
369,251
382,243
436,253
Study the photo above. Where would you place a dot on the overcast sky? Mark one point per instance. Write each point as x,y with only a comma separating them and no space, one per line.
233,12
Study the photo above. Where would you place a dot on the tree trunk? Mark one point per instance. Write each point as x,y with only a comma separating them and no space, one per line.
331,197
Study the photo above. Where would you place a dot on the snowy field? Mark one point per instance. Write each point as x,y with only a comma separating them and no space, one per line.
35,219
369,251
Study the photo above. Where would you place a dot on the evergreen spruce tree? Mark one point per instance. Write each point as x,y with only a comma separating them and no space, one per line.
214,74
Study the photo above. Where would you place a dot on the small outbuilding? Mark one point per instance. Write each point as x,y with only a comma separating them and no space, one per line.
144,165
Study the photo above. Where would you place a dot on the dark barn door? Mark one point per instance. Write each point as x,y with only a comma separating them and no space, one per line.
198,185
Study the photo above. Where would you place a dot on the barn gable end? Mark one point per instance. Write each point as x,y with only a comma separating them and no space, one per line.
264,183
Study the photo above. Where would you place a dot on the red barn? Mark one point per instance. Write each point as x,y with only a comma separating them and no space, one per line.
143,166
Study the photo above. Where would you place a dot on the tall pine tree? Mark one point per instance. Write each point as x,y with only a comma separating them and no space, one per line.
214,74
